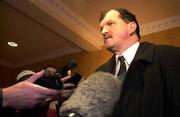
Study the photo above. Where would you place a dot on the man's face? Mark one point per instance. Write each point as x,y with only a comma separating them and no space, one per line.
114,30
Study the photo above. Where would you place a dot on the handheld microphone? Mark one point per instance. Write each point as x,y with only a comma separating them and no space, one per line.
67,67
53,81
94,97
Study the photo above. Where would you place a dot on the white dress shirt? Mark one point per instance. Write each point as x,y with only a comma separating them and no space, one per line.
129,55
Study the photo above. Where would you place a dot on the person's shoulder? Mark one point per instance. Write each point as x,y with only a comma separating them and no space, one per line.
162,48
165,52
168,53
168,48
147,46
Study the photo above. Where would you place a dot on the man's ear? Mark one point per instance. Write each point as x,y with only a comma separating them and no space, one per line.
132,27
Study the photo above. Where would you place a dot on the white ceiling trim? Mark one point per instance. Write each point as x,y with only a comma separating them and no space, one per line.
58,10
160,25
54,15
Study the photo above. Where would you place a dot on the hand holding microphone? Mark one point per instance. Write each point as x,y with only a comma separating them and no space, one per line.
54,82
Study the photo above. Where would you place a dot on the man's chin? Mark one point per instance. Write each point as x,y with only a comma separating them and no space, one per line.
108,47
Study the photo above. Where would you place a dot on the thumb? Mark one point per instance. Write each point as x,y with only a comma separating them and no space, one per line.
35,76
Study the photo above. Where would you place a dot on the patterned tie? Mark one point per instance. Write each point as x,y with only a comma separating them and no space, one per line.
122,70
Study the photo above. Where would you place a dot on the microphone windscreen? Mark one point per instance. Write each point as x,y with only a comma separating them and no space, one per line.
94,97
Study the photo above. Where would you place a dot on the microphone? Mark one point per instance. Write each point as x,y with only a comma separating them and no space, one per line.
94,97
53,81
67,67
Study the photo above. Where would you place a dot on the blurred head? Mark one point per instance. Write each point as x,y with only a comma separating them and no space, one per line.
50,70
118,27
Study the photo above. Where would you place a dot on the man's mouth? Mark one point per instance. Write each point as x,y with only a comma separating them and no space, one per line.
107,36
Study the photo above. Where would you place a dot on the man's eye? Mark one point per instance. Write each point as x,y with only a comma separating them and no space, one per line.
109,23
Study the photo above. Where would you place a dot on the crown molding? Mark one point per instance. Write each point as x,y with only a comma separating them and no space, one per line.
55,14
57,17
59,11
160,25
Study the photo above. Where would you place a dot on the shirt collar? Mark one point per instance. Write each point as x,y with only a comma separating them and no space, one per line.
129,53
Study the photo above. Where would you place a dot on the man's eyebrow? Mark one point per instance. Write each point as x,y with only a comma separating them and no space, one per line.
104,23
101,25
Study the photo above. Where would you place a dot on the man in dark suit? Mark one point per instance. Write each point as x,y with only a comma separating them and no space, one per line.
151,86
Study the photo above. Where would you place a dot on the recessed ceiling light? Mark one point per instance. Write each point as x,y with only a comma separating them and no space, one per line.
12,44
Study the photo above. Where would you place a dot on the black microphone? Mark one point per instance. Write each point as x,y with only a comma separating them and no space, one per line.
94,97
53,81
67,67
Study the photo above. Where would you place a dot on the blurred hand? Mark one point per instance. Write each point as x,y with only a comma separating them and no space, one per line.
68,89
26,94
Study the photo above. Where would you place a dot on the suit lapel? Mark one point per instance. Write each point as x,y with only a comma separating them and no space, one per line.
140,61
144,55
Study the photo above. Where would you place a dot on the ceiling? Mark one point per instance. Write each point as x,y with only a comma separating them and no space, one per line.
46,29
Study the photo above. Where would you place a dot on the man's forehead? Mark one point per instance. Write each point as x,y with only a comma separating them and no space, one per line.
110,15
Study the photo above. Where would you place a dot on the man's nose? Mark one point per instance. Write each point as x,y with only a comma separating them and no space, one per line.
104,30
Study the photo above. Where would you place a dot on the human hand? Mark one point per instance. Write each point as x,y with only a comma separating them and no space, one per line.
26,94
68,89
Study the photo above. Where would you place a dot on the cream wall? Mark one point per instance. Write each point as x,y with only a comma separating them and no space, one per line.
169,37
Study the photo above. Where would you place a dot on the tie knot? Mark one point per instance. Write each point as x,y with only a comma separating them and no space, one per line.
121,59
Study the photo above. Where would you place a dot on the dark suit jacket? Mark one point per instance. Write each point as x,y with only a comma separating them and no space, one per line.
152,84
